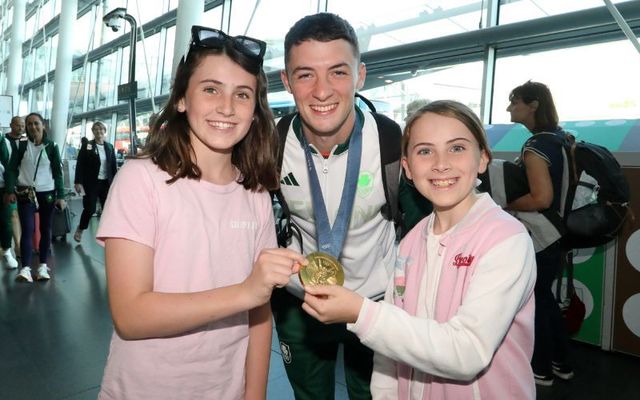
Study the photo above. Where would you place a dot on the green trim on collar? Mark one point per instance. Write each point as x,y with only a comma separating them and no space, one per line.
342,147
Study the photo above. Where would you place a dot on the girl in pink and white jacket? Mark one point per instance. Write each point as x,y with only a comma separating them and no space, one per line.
457,320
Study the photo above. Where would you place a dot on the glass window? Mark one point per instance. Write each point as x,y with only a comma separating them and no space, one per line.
146,10
587,82
410,21
46,13
262,25
81,41
76,94
391,93
102,88
107,89
72,143
27,67
38,100
23,107
524,10
122,141
49,99
168,60
142,126
42,60
213,18
30,26
53,54
147,67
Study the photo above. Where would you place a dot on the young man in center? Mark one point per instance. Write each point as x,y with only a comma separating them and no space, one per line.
332,182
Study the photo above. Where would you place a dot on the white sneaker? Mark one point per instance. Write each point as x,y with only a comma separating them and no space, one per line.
9,261
24,275
43,273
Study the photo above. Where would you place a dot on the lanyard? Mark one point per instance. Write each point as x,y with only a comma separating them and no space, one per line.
331,239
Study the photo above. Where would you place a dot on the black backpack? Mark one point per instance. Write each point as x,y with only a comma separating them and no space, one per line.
390,151
596,201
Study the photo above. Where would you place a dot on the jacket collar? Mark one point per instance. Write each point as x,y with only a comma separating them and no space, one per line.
483,205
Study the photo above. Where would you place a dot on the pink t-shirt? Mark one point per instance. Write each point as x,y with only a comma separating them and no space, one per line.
204,236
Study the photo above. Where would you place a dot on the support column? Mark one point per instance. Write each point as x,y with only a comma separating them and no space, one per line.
64,62
189,13
14,69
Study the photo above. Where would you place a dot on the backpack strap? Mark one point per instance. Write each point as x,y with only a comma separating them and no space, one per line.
389,136
284,227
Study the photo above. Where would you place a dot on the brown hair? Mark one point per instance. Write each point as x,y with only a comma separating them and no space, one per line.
169,146
546,116
453,109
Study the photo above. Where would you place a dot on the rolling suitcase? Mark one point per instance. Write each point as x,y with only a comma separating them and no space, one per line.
61,224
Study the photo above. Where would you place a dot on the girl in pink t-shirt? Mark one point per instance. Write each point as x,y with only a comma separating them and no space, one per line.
189,237
457,320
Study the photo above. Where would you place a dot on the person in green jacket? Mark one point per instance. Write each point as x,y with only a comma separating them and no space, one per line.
34,180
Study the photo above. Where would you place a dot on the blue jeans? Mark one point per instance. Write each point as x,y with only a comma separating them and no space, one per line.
27,212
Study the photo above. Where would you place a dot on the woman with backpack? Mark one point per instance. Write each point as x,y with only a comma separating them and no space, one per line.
531,105
34,179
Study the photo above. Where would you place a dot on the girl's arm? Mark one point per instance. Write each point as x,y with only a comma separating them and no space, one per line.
258,353
465,344
540,194
138,312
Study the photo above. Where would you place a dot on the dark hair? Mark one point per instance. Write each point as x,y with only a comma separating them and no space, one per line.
39,116
322,27
453,109
546,116
168,143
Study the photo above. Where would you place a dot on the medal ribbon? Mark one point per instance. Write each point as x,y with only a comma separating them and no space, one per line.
331,239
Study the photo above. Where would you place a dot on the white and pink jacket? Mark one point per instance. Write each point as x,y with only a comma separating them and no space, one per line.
458,320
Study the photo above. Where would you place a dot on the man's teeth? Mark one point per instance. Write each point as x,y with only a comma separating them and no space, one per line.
324,108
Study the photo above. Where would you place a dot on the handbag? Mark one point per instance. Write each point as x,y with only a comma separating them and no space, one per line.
28,193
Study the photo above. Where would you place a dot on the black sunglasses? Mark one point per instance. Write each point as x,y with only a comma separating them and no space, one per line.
210,38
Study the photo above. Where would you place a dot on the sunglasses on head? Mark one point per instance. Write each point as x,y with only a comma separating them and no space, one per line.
209,38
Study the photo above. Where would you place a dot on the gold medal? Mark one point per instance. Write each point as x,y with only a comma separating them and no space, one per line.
323,269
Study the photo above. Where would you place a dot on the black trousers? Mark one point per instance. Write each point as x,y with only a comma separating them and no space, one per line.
92,193
551,338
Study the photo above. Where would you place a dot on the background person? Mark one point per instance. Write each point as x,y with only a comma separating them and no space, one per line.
457,320
191,262
34,179
532,105
95,170
6,230
13,136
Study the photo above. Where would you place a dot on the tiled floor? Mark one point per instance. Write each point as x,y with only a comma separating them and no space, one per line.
54,339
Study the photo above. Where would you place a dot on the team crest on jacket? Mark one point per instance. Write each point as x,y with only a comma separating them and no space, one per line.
462,261
286,352
365,184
